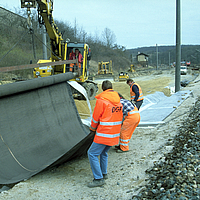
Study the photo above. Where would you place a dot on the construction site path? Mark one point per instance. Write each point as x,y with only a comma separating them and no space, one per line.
126,171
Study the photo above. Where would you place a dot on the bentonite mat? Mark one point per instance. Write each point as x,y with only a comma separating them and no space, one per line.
156,107
39,127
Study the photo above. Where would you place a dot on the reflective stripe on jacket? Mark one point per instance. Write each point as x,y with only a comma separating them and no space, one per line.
107,118
71,66
133,93
133,112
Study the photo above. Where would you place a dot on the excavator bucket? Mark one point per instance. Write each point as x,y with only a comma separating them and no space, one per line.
40,127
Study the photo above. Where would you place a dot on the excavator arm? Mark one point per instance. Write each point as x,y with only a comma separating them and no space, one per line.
61,49
45,9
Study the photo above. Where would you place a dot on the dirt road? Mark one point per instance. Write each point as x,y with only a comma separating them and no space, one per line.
161,81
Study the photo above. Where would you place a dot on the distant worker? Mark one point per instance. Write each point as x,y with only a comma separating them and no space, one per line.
136,93
106,125
131,120
76,55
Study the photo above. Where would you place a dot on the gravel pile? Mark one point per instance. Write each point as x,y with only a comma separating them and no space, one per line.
177,174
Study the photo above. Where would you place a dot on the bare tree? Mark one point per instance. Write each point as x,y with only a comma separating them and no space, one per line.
109,37
82,35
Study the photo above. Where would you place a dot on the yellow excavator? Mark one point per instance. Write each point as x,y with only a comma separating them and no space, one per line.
61,50
123,76
132,68
105,67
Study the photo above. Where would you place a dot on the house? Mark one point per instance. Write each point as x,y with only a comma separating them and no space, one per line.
142,59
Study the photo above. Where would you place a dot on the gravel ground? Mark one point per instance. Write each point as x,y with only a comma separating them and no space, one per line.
176,174
127,176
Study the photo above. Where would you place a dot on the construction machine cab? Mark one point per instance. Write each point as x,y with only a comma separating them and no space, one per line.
84,50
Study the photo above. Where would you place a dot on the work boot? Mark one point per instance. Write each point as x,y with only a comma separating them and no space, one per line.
117,147
120,151
96,183
105,176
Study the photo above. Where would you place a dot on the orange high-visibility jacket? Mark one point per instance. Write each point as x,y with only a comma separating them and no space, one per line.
73,56
107,118
133,93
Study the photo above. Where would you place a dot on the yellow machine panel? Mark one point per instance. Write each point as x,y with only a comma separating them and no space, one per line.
43,71
123,76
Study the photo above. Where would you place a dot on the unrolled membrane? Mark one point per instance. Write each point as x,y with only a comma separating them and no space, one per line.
40,127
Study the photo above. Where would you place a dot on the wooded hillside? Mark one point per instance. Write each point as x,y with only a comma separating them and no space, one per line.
20,46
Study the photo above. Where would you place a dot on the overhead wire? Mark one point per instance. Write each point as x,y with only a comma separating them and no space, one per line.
13,46
20,40
47,47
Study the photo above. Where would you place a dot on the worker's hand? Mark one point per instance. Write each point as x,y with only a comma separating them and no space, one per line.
92,132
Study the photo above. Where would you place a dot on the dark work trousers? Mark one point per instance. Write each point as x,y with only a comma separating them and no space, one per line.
138,104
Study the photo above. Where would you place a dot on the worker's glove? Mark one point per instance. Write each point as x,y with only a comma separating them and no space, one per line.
133,101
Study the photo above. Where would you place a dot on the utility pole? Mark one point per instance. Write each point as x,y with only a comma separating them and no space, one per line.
197,56
44,40
178,46
156,57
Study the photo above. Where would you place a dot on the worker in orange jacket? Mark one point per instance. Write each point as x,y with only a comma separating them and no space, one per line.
106,125
136,93
130,122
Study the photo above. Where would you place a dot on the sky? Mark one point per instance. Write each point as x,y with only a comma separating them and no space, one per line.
135,23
